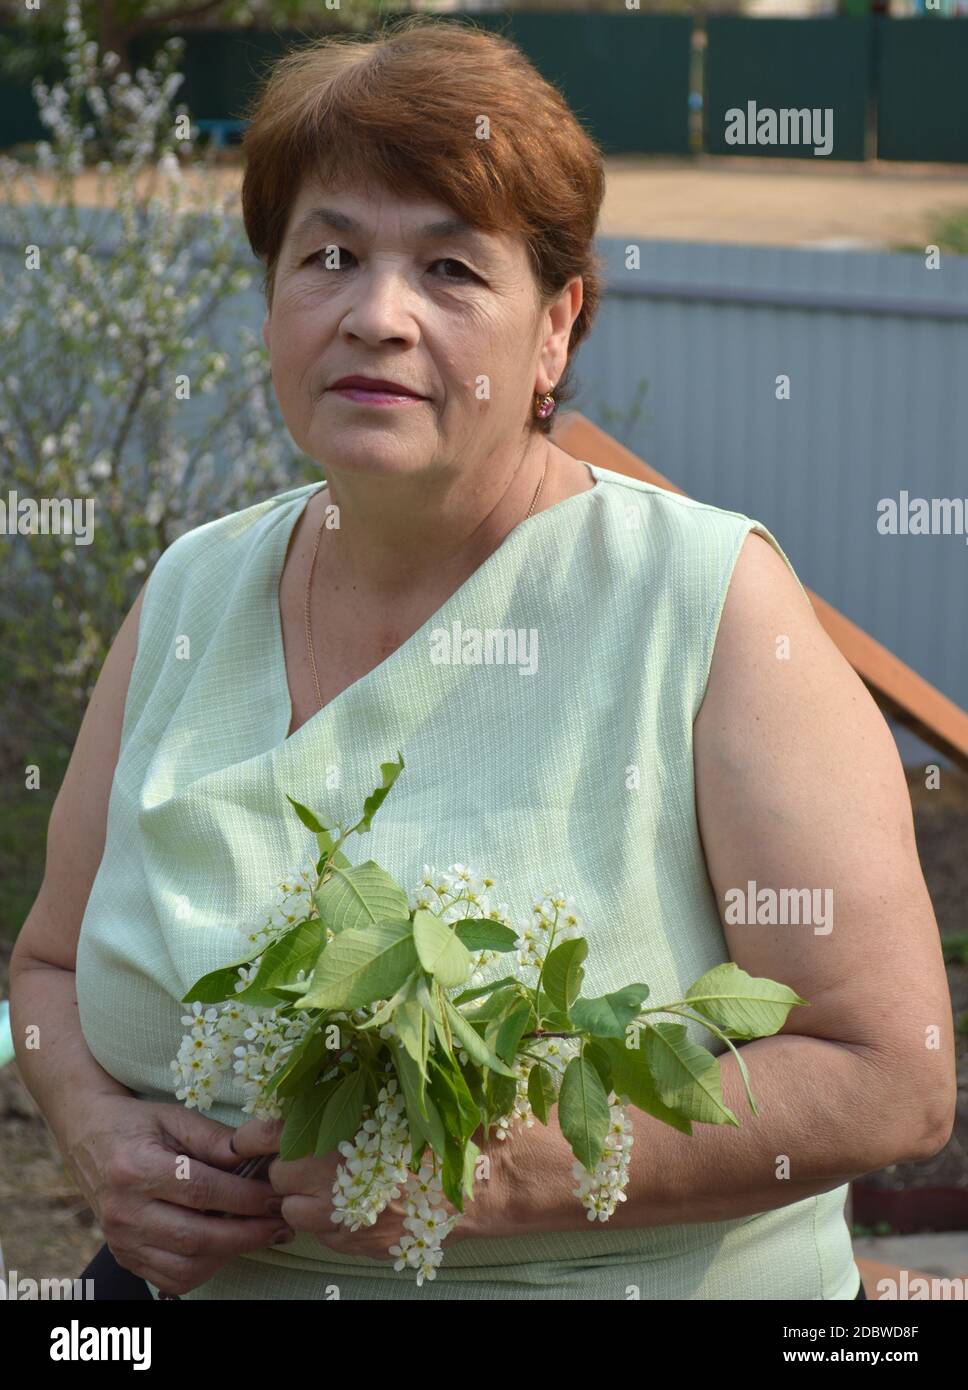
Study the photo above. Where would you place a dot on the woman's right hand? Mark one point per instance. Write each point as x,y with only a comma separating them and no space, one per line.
151,1171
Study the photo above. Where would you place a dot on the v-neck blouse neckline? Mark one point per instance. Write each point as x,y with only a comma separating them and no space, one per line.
280,676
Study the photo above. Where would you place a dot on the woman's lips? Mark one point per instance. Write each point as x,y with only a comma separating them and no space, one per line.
362,397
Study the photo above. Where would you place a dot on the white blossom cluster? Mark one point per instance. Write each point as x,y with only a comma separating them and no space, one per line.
371,1176
602,1190
553,913
457,892
253,1042
557,1053
427,1225
375,1163
235,1037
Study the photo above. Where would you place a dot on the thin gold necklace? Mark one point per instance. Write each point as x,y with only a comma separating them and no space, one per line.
309,584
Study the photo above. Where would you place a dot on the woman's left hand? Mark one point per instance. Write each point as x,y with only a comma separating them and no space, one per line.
306,1187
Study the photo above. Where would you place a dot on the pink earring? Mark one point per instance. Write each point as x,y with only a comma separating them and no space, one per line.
544,405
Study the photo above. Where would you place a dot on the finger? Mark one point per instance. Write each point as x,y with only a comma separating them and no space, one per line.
304,1213
199,1236
309,1175
190,1182
171,1274
257,1137
201,1136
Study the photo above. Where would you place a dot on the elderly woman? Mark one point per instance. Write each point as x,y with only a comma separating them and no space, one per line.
425,205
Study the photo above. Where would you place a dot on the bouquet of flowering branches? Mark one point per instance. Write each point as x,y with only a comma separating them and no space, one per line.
360,1018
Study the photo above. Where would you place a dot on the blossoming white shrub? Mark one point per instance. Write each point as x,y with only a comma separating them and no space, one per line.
123,258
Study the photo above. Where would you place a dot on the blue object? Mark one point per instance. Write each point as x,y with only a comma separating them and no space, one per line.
219,130
6,1037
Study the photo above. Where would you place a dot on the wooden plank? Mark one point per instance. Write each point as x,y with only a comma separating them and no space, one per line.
873,1270
899,691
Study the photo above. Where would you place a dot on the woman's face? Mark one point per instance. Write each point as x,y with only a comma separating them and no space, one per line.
364,288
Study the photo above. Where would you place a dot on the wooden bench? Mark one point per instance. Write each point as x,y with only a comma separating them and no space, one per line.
872,1271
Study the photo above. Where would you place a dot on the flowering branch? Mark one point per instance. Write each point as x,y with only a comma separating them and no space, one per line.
385,1027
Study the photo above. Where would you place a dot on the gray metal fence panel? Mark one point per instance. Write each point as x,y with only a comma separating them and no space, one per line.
876,348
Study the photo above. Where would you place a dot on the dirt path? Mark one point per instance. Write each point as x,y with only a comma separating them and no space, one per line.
779,202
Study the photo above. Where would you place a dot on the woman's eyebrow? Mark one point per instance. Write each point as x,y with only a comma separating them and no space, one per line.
319,218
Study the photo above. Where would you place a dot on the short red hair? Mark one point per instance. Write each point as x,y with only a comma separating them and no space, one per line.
403,108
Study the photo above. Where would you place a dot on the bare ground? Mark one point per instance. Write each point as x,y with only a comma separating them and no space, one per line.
778,202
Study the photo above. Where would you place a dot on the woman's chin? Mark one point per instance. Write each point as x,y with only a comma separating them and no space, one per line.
373,451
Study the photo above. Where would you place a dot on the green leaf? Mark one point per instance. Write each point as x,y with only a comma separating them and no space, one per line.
283,959
389,1008
474,1081
583,1112
632,1082
359,896
481,934
219,985
452,1174
510,1032
562,975
343,1114
557,1022
306,816
472,1042
302,1120
742,1006
497,1006
499,1094
454,1101
328,847
541,1091
312,1045
471,1155
441,952
687,1076
316,1063
423,1117
413,1025
609,1015
428,1002
361,966
595,1053
389,772
294,991
481,990
336,859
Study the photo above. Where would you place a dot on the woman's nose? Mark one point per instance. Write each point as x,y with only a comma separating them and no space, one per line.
381,307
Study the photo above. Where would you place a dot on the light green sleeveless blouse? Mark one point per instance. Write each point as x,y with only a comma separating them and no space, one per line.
571,772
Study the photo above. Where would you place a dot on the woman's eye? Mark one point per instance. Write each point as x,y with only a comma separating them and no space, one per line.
321,257
343,257
449,260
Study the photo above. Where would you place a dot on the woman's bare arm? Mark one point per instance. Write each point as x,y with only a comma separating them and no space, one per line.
56,1065
128,1155
798,785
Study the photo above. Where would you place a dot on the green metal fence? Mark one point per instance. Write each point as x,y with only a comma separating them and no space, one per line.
625,75
922,90
767,69
895,88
